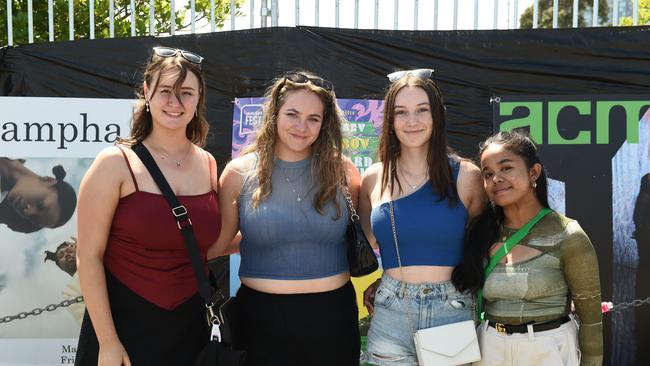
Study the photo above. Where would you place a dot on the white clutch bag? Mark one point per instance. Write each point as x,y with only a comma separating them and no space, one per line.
447,345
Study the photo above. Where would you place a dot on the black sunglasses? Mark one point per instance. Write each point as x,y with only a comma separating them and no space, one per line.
418,73
172,52
299,78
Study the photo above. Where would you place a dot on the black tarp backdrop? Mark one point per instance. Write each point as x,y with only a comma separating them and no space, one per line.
471,67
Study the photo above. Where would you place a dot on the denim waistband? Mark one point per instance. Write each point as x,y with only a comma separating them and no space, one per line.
418,290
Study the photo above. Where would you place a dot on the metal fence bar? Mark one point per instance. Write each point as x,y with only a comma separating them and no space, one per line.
395,14
615,13
193,15
594,21
317,13
435,14
475,14
71,19
275,12
132,18
297,13
172,18
30,21
576,5
50,20
415,14
356,14
635,12
496,14
455,14
111,18
515,15
556,10
152,30
336,13
252,14
91,18
213,20
233,15
377,14
10,31
535,14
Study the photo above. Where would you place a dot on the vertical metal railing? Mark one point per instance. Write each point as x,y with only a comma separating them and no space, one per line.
264,9
71,19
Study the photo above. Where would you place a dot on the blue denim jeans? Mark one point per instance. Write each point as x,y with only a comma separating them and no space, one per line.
402,308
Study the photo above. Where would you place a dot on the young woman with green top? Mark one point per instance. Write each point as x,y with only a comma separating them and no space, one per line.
528,296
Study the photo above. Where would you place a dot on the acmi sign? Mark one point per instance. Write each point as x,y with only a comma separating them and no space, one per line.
596,111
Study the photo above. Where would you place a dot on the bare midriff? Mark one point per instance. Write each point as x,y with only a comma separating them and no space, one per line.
421,274
297,286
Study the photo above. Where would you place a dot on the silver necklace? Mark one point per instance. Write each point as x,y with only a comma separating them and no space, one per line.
178,162
413,186
299,197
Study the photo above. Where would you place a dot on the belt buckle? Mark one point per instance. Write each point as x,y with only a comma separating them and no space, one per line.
500,327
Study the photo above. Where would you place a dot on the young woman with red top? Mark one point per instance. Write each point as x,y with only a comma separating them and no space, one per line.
143,306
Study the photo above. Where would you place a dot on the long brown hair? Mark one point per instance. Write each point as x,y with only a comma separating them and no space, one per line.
327,158
437,154
142,125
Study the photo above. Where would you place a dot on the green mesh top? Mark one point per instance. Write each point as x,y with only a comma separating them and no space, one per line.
542,288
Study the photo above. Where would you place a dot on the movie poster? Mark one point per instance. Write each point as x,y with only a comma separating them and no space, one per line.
46,146
599,147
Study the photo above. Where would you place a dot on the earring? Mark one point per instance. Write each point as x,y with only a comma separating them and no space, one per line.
534,183
146,106
196,112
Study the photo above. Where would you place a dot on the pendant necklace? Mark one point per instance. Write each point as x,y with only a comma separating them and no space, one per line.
413,186
178,162
298,195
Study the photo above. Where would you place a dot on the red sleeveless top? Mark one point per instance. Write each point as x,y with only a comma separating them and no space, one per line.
146,251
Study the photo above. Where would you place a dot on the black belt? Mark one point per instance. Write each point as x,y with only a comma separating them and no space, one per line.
523,328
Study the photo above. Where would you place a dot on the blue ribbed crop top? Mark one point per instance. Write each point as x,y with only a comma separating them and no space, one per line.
286,238
429,232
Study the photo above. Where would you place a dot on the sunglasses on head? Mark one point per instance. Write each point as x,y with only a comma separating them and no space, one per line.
172,52
299,78
418,73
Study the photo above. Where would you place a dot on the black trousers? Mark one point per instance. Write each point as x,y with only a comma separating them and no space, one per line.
299,329
151,335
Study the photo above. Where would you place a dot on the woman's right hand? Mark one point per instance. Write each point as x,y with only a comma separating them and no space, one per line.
369,296
113,354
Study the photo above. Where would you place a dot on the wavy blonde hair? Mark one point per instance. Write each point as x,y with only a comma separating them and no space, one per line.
327,158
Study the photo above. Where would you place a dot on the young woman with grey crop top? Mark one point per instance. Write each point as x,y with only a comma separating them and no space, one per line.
529,295
296,302
432,193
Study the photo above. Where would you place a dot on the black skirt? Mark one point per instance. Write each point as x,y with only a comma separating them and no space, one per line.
151,335
315,329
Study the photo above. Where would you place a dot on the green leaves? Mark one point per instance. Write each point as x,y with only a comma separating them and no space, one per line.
122,18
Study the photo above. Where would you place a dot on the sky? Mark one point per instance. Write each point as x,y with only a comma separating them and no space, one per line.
406,17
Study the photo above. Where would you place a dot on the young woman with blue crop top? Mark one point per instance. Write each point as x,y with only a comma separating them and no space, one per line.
433,193
296,302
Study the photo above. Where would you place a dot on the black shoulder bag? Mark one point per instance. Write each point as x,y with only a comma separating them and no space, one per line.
361,257
219,309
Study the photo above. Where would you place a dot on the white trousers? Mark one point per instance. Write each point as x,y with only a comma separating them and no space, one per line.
555,347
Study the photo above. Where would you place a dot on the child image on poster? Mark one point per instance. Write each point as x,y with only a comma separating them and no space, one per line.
30,202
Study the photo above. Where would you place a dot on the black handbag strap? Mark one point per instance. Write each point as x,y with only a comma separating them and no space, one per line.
183,222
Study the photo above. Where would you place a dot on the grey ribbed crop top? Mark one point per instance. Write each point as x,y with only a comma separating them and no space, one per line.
286,238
